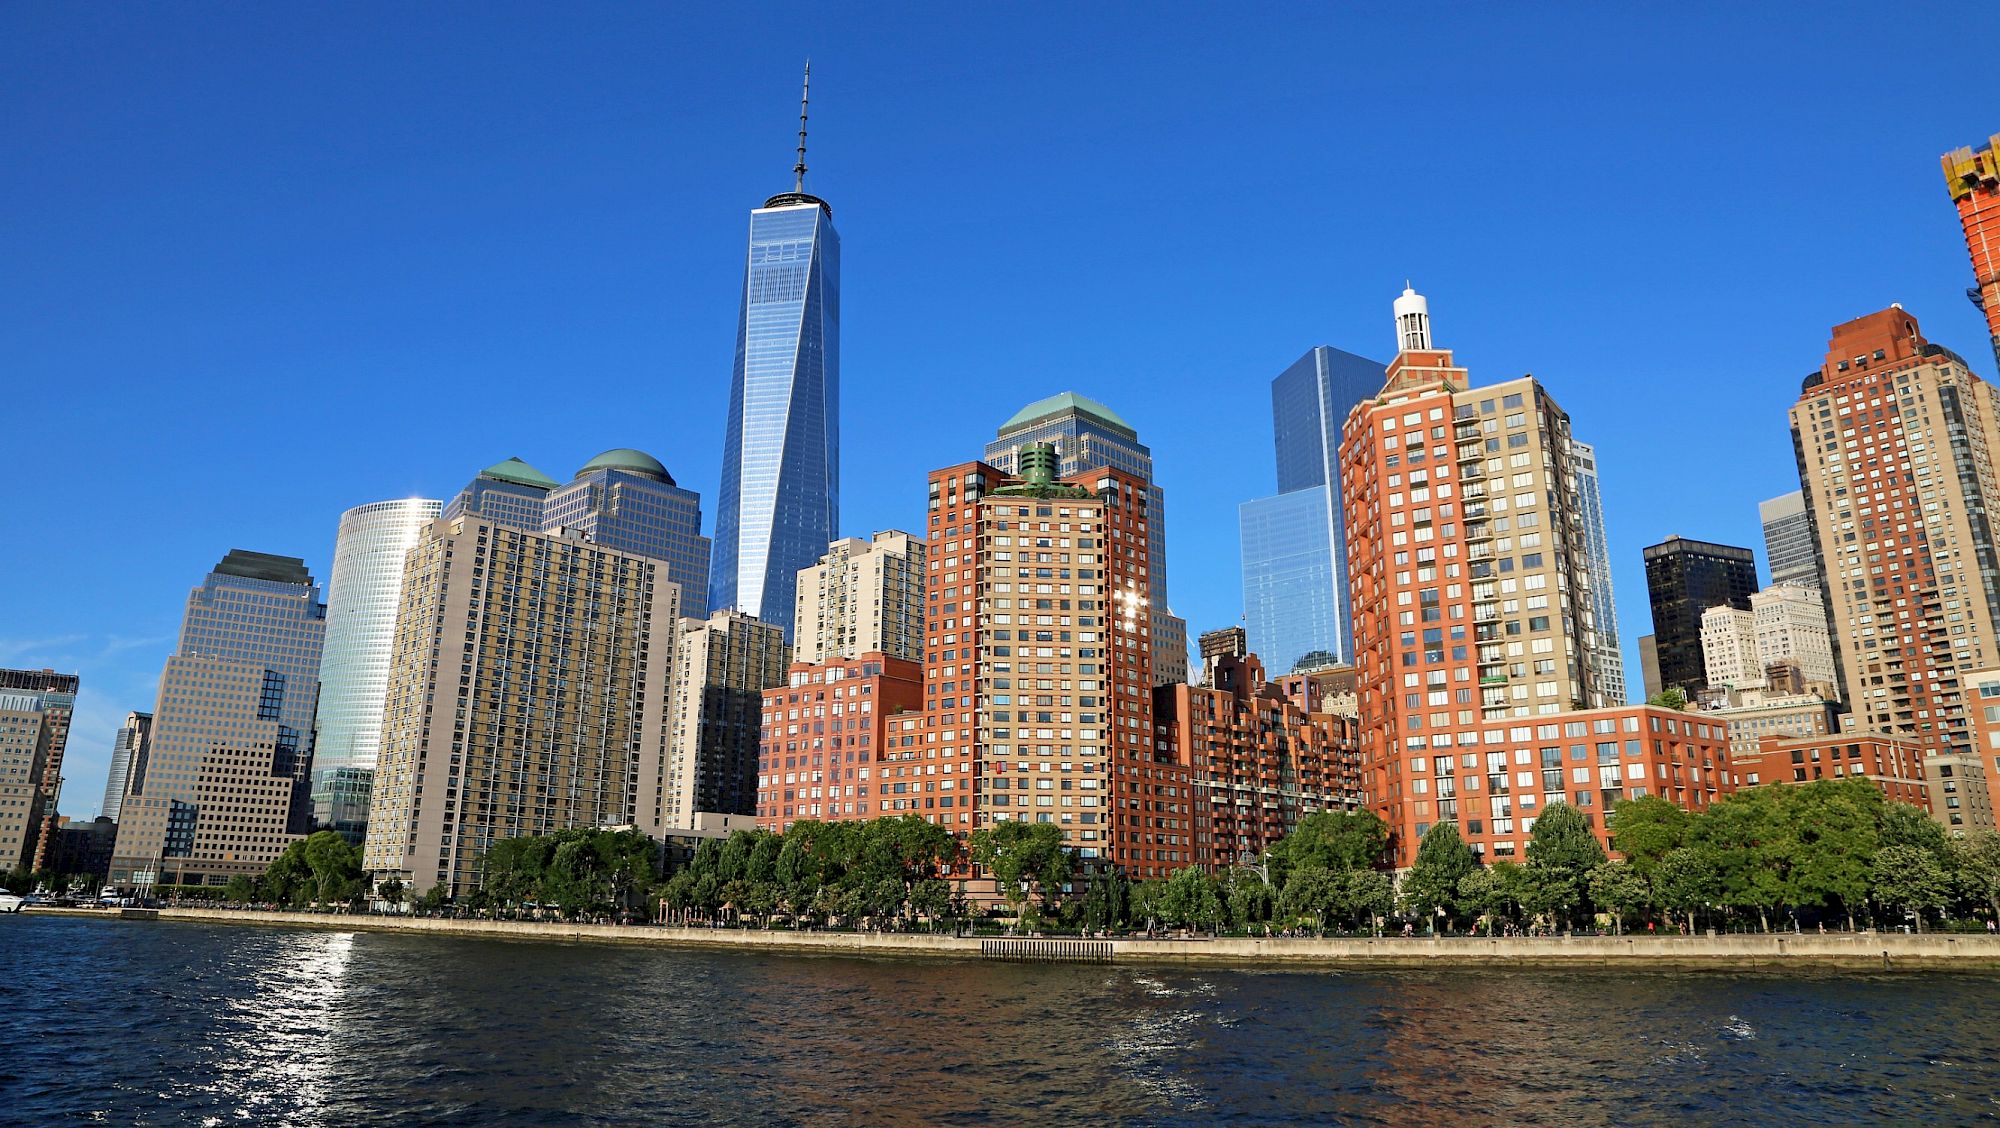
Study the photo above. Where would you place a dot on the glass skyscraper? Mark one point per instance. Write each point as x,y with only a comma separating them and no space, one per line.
509,493
1788,540
362,596
361,605
224,784
781,464
625,500
1295,598
1293,605
1597,547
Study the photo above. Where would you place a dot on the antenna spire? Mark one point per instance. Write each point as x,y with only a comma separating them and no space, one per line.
805,94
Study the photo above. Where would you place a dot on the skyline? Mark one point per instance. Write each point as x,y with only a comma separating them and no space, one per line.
488,280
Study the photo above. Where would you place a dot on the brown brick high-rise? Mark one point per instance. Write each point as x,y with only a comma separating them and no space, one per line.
1973,178
1895,439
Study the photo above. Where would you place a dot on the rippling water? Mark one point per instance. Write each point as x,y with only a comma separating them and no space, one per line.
129,1023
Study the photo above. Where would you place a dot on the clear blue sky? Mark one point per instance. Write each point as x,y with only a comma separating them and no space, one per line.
259,264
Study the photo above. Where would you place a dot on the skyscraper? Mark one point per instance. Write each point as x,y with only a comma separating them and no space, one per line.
780,503
1683,579
1788,540
544,709
1294,544
510,493
1973,178
1088,435
1785,627
35,711
1038,673
362,598
1603,604
1294,603
225,782
128,752
1895,439
1474,652
722,666
864,596
624,499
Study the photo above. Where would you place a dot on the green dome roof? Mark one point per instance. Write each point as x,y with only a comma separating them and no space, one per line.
631,461
1063,404
520,473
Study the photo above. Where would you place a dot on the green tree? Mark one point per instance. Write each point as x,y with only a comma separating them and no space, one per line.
288,880
1479,896
1910,878
1363,895
1646,829
1333,840
1749,842
241,888
931,897
1190,899
1618,888
1143,906
1021,854
1105,900
1443,861
1247,897
1826,832
1668,698
435,898
335,866
1976,861
390,890
1562,852
1313,893
1686,879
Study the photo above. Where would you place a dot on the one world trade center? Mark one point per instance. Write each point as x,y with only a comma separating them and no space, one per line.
781,465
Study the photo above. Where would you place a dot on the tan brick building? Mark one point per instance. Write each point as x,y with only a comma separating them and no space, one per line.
528,694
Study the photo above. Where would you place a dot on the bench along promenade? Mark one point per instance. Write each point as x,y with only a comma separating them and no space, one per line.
1866,951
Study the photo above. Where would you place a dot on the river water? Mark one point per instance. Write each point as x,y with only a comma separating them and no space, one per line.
168,1023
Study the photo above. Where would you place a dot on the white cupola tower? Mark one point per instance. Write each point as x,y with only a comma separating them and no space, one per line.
1413,321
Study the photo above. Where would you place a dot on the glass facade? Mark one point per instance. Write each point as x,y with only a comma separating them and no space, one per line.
514,504
1788,540
781,464
1292,605
127,750
1683,579
1310,401
1610,681
242,685
643,513
361,605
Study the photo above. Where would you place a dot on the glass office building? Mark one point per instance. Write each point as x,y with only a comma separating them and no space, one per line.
361,605
1310,401
1603,605
507,493
780,503
225,778
362,596
625,499
1293,605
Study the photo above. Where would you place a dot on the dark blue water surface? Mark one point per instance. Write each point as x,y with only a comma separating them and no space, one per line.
160,1023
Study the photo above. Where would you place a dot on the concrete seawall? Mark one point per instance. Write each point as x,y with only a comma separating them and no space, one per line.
1804,953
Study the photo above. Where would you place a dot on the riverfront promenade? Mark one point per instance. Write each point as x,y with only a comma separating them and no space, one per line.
1803,952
